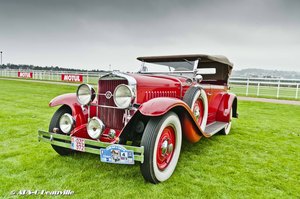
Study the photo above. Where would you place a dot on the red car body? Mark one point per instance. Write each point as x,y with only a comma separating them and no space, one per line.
155,95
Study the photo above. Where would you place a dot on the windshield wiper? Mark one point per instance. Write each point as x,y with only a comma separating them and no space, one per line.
187,61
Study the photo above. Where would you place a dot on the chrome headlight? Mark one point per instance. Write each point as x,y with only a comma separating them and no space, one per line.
95,128
123,96
85,94
66,122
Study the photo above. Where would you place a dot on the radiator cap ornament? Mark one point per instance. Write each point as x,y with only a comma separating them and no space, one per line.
108,94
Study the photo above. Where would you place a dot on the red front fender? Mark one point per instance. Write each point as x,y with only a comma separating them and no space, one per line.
162,105
70,100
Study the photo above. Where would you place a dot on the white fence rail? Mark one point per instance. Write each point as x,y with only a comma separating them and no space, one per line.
264,87
88,77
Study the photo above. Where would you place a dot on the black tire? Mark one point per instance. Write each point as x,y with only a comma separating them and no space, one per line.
55,124
189,95
227,128
189,98
150,140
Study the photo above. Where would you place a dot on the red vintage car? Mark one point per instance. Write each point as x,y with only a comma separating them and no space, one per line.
143,117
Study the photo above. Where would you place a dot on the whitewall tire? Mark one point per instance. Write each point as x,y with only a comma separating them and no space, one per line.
227,128
196,98
162,140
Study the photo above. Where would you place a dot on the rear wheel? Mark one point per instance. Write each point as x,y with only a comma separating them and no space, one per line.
54,124
162,140
227,128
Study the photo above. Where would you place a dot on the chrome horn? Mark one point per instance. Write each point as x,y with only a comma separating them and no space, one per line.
198,77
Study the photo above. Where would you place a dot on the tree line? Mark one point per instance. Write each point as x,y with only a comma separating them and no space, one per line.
51,68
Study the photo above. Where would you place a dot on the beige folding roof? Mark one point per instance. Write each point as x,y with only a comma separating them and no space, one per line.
202,58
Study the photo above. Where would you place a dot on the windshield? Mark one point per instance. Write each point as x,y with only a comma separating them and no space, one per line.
167,66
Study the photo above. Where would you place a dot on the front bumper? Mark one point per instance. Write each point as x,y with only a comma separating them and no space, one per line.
91,146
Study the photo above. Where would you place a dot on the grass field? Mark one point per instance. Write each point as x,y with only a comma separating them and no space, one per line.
258,159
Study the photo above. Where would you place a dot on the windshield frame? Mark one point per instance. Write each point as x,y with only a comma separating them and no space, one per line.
143,68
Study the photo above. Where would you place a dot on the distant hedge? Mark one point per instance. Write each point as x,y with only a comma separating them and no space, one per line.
32,67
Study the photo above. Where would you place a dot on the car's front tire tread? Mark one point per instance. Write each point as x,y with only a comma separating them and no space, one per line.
152,131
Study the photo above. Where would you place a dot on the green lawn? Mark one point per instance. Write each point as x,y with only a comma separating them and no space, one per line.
258,159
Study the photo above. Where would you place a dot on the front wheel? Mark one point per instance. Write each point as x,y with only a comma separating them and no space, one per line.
162,140
55,124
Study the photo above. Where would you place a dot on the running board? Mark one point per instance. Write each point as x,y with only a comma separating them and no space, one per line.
214,128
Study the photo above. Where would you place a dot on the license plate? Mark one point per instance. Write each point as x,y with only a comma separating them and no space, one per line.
116,154
77,144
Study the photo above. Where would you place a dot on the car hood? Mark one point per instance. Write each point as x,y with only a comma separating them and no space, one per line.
152,86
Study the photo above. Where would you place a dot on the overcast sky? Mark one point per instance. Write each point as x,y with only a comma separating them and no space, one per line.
94,34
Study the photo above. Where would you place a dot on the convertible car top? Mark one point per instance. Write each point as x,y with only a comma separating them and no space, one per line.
219,64
201,57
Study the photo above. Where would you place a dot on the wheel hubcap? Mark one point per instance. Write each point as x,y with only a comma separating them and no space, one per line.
170,148
198,111
165,149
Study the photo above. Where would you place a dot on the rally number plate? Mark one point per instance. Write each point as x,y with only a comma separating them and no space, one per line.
77,144
117,154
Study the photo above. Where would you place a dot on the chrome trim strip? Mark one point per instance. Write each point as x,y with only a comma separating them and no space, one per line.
166,72
131,81
209,86
105,106
103,94
114,107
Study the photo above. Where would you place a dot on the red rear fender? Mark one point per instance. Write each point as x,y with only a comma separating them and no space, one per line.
227,103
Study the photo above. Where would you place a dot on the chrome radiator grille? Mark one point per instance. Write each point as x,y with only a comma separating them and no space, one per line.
111,116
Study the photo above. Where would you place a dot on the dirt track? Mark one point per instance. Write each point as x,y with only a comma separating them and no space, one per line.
277,101
39,81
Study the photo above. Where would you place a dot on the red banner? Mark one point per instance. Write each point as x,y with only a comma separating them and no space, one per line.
71,78
25,74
